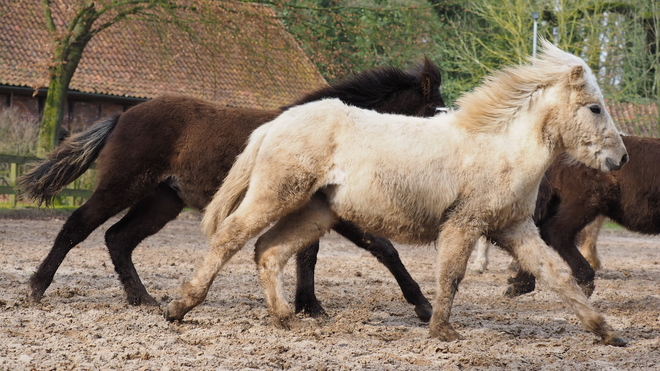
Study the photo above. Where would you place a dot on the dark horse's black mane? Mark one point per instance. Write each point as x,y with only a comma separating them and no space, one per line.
369,89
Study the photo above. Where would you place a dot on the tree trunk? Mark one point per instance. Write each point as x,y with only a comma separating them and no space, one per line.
53,115
58,88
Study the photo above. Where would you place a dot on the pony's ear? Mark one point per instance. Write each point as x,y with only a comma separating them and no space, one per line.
430,76
427,85
576,77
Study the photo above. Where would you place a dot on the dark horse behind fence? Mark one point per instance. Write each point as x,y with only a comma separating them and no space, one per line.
572,195
171,152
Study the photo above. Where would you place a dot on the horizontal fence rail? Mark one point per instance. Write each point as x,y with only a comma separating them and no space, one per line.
76,191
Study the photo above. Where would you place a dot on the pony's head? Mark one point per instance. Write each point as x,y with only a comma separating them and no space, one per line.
584,125
558,90
388,90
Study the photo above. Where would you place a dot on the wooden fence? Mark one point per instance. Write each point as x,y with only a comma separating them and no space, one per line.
12,169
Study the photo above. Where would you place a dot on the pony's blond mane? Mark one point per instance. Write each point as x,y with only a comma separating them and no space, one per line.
493,104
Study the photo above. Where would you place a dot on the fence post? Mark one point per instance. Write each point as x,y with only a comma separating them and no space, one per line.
13,174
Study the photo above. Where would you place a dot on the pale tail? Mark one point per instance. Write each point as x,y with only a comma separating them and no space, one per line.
65,163
233,189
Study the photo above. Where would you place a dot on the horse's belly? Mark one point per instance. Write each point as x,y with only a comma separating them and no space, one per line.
381,217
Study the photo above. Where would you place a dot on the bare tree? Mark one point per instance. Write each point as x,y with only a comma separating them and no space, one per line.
84,19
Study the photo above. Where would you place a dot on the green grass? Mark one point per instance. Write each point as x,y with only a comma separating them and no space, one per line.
612,226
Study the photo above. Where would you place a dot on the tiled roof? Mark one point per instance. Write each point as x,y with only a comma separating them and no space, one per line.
245,60
636,119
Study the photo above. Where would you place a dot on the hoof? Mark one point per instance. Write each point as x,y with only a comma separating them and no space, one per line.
36,296
516,289
144,299
445,334
36,292
588,288
311,309
424,312
616,341
175,311
283,322
512,292
478,267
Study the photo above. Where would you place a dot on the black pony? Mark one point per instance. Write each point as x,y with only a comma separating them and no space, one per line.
172,151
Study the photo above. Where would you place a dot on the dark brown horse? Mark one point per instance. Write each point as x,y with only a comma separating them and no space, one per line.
171,152
572,196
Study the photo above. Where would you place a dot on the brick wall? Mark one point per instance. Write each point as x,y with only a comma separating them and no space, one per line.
26,105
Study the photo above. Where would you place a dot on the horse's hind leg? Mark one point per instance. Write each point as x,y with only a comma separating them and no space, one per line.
99,208
145,218
306,301
481,261
385,252
588,238
260,207
539,259
291,234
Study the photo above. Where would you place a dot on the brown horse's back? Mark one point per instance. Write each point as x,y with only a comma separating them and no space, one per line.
638,205
189,143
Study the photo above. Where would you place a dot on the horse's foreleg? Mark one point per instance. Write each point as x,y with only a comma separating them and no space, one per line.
291,234
231,236
385,252
588,238
561,234
540,260
306,301
145,218
481,261
455,245
77,227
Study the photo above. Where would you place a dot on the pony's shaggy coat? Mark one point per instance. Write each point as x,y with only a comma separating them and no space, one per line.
448,179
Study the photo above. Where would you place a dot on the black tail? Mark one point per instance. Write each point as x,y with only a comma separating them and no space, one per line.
66,163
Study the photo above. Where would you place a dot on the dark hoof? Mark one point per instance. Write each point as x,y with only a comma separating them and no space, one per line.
312,309
36,292
175,311
512,292
424,312
144,299
517,288
616,341
36,296
588,288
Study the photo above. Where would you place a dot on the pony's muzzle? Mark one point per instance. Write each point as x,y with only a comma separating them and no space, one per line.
614,165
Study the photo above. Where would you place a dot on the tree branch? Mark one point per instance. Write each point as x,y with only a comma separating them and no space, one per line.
50,24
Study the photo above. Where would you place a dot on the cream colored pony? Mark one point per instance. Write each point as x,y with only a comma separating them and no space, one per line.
448,179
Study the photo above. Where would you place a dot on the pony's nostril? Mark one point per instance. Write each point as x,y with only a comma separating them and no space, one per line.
624,159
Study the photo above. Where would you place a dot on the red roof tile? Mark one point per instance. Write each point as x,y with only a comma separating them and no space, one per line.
636,119
248,60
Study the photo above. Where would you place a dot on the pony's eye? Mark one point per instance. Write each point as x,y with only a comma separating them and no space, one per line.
595,109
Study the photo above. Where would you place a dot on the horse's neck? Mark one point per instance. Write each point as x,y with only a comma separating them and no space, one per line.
531,148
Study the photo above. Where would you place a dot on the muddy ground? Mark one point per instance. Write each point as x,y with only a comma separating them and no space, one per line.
83,322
